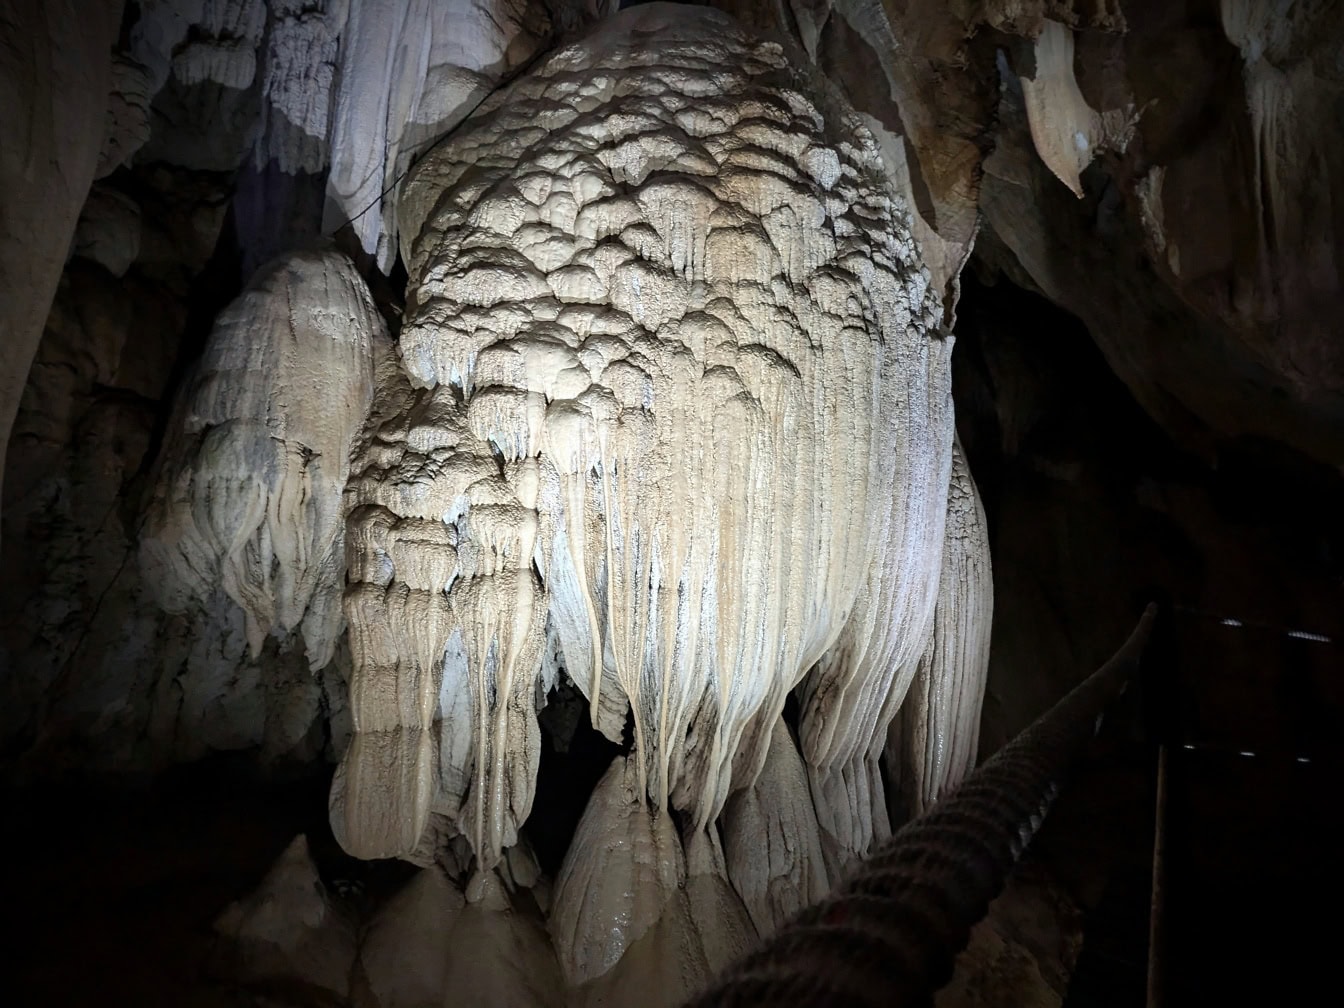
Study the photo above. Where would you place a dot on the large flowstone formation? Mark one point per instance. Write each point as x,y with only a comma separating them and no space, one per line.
672,419
669,423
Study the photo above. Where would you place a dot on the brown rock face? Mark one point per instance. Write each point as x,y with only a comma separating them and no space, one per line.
54,77
1204,249
1165,171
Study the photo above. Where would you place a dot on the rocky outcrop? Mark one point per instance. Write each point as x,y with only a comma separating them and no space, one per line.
96,670
1204,253
56,83
669,421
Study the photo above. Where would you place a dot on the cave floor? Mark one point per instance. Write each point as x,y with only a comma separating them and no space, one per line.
116,890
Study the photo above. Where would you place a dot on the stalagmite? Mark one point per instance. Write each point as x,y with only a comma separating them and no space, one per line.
933,741
641,916
289,928
622,879
771,839
256,460
429,947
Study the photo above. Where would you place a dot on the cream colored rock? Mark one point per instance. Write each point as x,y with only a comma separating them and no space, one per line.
717,914
623,876
681,396
1067,131
223,45
638,918
409,71
771,839
299,78
933,741
254,468
902,67
430,948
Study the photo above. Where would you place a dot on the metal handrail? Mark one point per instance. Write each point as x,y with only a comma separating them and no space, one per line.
890,932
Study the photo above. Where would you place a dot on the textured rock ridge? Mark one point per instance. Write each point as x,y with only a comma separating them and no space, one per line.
253,472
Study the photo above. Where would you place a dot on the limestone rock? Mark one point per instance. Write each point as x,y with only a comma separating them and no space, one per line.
109,230
223,46
429,947
56,84
620,920
98,672
409,71
160,30
127,126
771,839
1207,243
671,385
254,470
1067,131
299,81
933,741
290,929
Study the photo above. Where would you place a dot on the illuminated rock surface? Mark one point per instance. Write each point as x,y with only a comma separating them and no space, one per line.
251,486
676,389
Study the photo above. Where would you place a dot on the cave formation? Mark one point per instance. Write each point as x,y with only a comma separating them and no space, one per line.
509,501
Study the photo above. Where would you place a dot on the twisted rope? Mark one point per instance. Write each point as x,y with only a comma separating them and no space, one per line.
889,934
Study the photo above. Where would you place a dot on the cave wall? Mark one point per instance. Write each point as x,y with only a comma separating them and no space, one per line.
1094,509
58,57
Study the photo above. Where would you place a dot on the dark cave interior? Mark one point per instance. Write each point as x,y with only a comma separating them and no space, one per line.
1126,446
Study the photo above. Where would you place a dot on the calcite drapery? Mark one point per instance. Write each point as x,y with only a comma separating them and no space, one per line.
252,475
408,71
934,739
674,396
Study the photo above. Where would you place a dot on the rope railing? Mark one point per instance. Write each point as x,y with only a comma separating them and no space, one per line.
889,934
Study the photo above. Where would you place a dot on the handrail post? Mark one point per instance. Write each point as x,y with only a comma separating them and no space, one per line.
1157,907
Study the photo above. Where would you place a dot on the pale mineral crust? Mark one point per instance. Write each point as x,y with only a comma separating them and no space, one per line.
251,479
673,397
